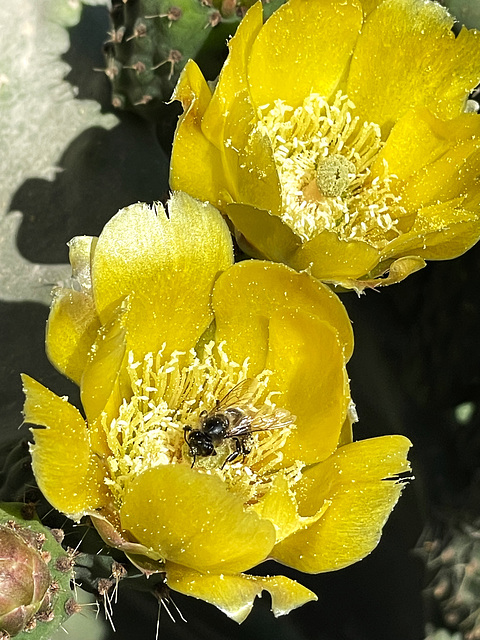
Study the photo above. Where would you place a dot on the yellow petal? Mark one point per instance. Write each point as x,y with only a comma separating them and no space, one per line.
453,175
167,267
71,331
196,165
279,505
296,53
301,348
235,594
267,233
105,367
440,232
417,61
419,138
192,519
68,475
369,5
329,258
233,78
249,172
247,294
249,160
359,481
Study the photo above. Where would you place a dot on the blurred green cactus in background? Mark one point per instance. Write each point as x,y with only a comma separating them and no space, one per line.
467,12
453,562
151,41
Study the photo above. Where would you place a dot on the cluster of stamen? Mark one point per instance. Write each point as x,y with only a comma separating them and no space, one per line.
169,395
323,157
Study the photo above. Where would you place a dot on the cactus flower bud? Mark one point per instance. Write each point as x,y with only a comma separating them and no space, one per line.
24,578
35,580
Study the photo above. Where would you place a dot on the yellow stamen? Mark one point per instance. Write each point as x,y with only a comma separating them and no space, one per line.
166,397
323,156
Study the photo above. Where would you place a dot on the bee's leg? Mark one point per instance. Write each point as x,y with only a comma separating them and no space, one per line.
185,431
232,456
244,450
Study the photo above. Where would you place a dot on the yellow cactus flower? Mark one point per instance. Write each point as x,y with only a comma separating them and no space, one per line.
336,139
217,428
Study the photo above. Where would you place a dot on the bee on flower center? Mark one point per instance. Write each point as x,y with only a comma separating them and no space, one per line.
234,417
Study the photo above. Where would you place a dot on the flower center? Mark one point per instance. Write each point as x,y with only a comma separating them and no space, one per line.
323,157
334,174
169,396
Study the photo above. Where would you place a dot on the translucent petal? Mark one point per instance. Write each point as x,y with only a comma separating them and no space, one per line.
417,61
359,479
80,254
68,475
249,159
192,519
304,47
235,594
102,375
453,175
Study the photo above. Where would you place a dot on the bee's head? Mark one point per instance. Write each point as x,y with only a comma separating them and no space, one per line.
199,443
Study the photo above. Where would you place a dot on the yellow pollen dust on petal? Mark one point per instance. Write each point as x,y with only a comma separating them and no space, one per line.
168,396
323,155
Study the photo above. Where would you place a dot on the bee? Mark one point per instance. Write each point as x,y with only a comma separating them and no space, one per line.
235,417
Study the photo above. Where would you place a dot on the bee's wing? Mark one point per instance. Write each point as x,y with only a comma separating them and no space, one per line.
261,421
275,419
241,396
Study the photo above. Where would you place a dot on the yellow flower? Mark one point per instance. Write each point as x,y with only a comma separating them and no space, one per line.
159,327
336,140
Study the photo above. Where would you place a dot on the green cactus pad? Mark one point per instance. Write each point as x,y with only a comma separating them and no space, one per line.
452,559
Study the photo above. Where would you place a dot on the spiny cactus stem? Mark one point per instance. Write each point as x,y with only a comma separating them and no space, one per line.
111,71
173,58
145,100
214,19
173,14
138,66
116,35
139,31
